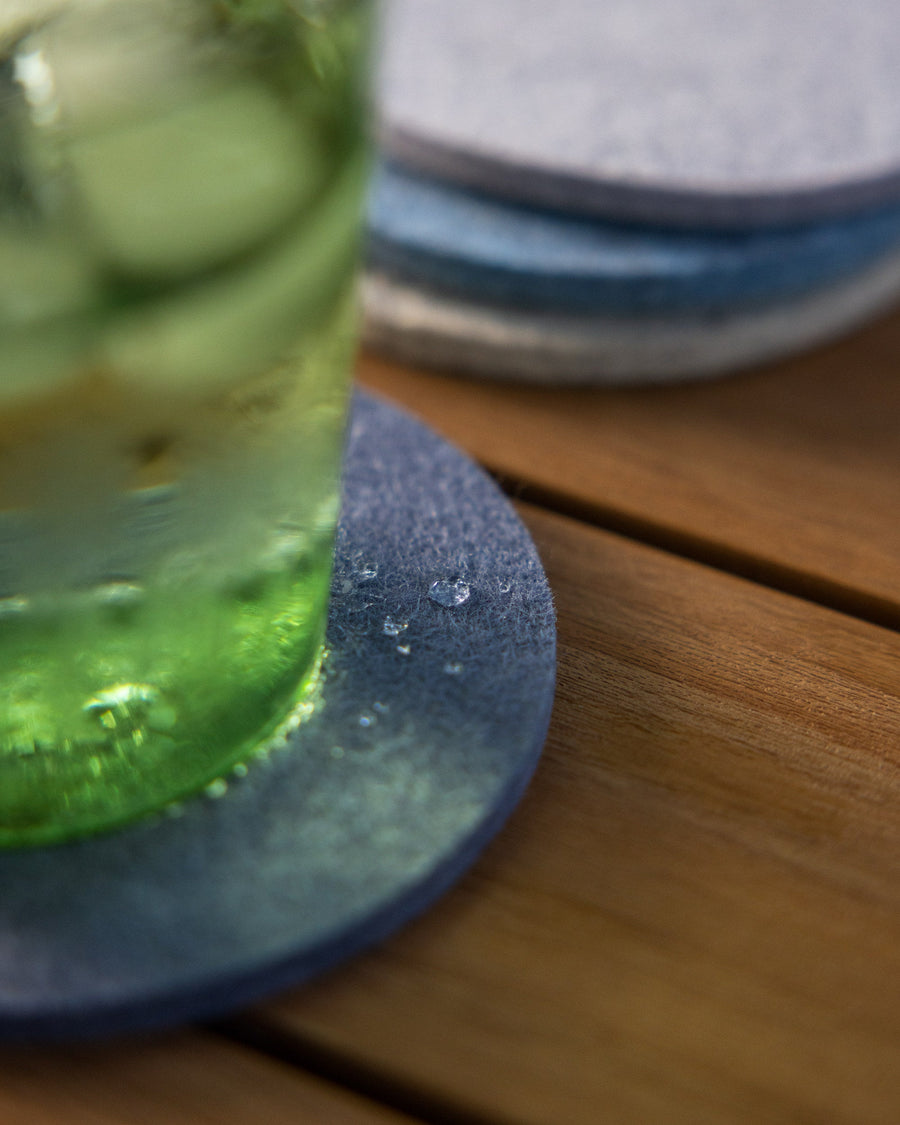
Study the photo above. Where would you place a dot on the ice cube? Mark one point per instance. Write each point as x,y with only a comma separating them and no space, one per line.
18,17
193,186
109,59
240,324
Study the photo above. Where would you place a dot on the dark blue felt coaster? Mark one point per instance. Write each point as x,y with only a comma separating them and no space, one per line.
463,243
703,112
435,705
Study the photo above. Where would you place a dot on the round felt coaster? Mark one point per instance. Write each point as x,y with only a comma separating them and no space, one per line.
703,112
464,243
413,325
434,707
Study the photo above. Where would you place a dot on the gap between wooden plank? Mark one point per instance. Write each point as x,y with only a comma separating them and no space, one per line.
674,541
786,476
178,1078
349,1074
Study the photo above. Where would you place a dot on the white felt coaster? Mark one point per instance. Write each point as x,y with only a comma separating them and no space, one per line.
705,112
416,326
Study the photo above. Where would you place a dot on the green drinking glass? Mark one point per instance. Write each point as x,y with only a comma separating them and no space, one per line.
181,195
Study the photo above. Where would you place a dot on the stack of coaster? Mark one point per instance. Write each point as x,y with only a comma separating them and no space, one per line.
632,192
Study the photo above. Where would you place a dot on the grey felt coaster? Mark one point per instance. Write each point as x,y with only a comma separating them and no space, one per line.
430,233
414,325
434,708
706,112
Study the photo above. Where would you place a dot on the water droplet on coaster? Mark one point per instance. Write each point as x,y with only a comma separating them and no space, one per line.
392,628
367,720
450,592
367,573
404,650
217,788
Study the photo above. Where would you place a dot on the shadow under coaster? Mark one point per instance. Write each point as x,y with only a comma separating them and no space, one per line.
435,702
705,113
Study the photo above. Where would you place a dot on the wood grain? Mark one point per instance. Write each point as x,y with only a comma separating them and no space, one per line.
185,1079
694,916
790,474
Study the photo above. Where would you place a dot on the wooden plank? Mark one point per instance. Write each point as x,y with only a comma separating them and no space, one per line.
791,473
184,1079
694,916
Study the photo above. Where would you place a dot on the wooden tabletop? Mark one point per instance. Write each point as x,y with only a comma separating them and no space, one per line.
694,914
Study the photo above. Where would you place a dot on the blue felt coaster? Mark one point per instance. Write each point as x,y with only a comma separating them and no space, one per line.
466,244
435,705
415,325
703,112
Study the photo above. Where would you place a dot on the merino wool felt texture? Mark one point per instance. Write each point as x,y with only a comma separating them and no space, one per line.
703,112
434,707
464,243
414,325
